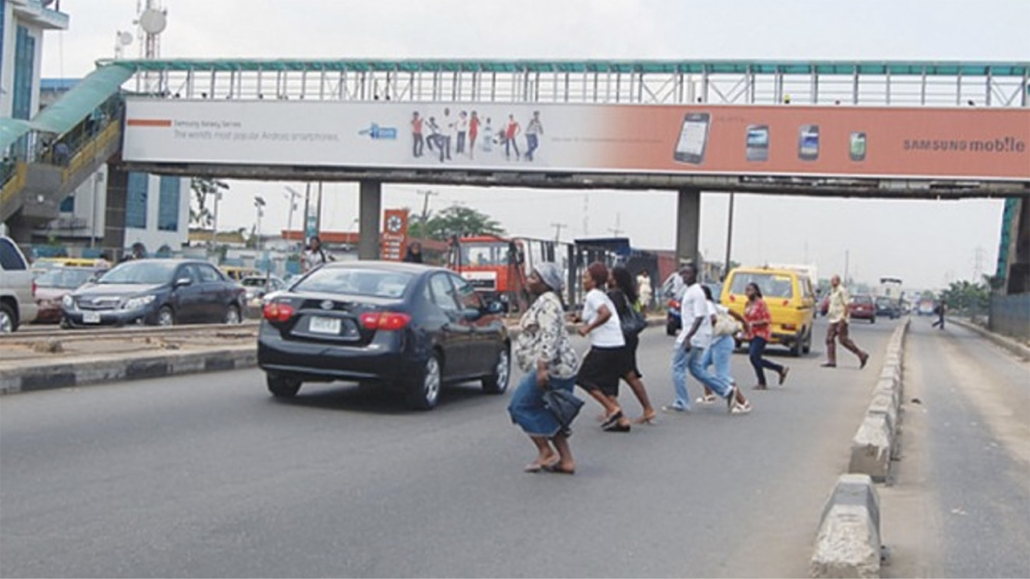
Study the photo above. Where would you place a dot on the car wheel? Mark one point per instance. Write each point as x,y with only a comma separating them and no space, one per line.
232,315
282,386
798,346
8,321
872,320
165,316
497,382
808,343
426,392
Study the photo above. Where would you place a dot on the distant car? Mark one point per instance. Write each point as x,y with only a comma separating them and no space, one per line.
887,307
257,286
55,283
17,288
158,292
405,327
862,307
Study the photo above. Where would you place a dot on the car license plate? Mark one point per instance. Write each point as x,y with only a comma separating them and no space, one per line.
320,325
90,317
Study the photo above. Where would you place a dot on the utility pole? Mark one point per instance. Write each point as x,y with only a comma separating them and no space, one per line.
557,230
729,237
616,230
425,210
214,220
847,256
292,196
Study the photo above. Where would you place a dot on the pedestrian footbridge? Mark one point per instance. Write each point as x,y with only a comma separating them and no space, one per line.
870,129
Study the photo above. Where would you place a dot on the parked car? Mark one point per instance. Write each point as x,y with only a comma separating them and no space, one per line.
789,296
862,307
54,284
888,307
257,286
159,292
406,327
17,288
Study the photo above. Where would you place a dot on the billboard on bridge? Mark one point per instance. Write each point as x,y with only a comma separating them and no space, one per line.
841,141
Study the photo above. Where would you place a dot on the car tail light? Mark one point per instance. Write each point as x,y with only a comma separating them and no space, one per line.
33,289
790,327
277,312
389,321
733,298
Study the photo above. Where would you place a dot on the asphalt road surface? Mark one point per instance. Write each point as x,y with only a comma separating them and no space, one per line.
207,475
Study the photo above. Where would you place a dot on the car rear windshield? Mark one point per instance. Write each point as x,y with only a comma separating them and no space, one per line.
362,282
772,285
64,278
861,300
148,273
254,282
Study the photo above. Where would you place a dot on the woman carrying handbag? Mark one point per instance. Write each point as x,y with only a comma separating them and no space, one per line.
544,351
623,293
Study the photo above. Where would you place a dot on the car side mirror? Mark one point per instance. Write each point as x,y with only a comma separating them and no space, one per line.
182,281
495,308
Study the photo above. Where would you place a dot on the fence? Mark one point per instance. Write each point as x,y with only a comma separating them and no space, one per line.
1010,315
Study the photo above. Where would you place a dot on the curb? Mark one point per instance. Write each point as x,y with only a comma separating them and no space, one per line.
107,369
848,543
119,369
1000,340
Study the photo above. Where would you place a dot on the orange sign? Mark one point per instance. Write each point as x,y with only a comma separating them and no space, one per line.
395,234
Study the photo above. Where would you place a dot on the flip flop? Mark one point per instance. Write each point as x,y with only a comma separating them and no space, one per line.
556,468
783,375
537,467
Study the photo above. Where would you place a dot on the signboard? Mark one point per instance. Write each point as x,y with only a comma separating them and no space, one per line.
395,234
843,141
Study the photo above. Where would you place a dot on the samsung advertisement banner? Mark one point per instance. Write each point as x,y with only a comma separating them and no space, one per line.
974,143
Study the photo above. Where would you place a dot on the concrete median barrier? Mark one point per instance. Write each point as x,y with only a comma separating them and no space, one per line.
848,542
872,447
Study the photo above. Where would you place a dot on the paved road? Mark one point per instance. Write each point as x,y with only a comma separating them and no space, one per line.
207,475
961,506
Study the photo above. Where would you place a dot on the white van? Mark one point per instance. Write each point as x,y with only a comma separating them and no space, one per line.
17,288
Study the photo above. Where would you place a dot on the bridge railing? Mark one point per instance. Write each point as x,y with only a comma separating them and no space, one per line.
646,82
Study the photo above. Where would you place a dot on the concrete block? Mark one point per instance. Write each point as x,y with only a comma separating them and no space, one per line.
848,542
871,448
883,403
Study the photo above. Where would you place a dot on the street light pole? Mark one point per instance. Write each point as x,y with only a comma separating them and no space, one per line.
292,196
259,204
425,210
729,238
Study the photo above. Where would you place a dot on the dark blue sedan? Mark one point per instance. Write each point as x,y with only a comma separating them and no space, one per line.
406,327
158,292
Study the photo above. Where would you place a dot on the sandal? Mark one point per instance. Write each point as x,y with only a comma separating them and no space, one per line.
706,399
537,467
783,375
557,468
610,420
651,419
741,408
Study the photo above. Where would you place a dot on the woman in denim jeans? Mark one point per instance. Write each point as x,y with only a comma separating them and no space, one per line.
544,351
719,353
758,321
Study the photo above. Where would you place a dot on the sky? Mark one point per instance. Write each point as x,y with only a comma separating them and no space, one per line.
927,243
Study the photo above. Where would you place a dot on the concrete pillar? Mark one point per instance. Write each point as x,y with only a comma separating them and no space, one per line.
114,213
688,226
371,207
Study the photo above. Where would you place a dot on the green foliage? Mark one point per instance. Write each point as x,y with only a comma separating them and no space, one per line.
202,187
967,298
455,220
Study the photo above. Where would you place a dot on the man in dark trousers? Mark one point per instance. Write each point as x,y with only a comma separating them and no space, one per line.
941,308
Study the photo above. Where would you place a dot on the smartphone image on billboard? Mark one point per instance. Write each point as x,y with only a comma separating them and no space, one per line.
757,143
858,146
693,138
808,142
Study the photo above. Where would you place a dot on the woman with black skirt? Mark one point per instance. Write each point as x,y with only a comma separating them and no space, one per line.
605,363
622,291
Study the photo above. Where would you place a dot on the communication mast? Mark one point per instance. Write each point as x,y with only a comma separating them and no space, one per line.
151,20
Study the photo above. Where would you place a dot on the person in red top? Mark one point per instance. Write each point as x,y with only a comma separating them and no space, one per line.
473,133
756,313
510,132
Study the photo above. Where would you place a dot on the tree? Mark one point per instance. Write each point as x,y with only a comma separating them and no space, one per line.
202,187
456,220
967,298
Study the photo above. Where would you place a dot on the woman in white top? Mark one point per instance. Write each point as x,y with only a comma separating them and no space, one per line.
719,353
605,363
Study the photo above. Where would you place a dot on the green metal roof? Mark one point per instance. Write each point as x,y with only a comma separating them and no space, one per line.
11,130
81,100
931,68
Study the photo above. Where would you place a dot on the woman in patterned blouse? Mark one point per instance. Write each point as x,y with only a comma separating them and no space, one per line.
544,352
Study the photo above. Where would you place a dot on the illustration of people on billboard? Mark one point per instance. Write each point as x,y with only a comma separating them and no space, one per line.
473,133
510,133
533,131
447,130
417,141
461,126
435,139
488,136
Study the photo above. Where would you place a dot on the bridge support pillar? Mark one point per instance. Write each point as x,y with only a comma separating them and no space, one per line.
114,214
688,226
371,206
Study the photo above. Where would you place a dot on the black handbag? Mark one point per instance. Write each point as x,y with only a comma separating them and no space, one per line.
633,322
564,405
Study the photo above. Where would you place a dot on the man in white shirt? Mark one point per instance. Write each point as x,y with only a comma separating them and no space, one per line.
694,337
839,316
